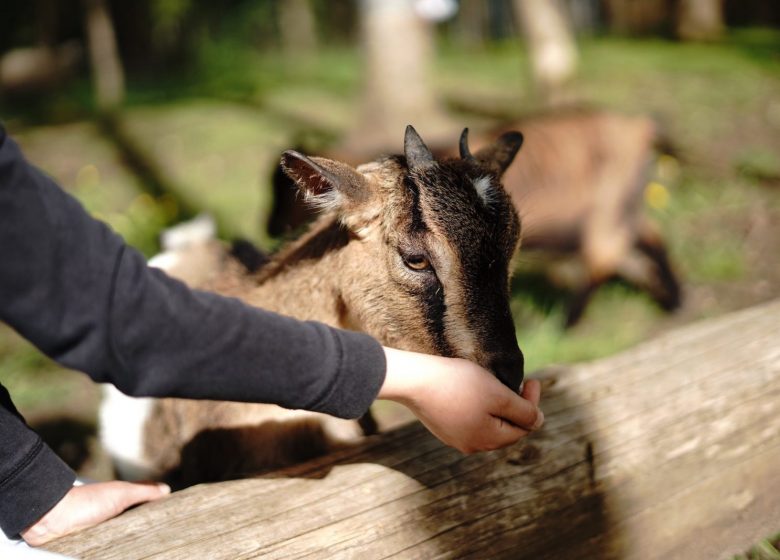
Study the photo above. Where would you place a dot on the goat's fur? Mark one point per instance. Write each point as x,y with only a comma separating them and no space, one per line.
408,250
579,189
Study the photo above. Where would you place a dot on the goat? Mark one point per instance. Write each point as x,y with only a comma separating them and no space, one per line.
578,189
409,249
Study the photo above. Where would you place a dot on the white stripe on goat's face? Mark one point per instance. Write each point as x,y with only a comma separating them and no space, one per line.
484,187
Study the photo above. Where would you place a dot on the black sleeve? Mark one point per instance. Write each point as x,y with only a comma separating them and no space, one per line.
32,477
75,290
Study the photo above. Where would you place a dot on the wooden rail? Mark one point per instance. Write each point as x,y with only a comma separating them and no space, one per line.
668,450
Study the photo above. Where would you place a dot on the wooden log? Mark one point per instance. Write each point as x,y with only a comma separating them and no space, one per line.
668,450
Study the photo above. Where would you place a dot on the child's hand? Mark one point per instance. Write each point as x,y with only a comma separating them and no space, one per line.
88,505
461,403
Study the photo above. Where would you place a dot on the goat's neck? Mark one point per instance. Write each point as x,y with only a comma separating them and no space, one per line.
305,279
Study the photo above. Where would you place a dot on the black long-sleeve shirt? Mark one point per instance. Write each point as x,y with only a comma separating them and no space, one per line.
74,289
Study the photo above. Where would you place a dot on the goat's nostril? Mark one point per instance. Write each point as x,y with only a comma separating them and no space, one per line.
509,371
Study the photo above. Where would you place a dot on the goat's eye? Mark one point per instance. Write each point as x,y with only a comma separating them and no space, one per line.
417,262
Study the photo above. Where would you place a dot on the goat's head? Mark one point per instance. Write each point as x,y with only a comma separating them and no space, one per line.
431,248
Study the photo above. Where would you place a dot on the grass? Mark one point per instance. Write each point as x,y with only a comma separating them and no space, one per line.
218,154
38,385
544,342
767,549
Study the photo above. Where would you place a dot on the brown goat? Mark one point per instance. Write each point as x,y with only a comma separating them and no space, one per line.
578,189
413,251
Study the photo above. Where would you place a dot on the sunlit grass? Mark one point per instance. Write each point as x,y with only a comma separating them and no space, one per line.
543,340
220,155
36,383
767,549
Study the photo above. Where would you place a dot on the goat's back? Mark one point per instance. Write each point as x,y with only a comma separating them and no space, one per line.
192,441
579,175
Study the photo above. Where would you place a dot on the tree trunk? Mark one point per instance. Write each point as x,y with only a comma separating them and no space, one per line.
551,46
107,74
668,450
47,18
398,56
699,20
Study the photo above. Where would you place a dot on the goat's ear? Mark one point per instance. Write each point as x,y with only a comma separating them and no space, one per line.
500,155
326,184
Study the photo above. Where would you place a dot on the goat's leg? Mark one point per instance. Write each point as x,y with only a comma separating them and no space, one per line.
602,251
665,290
579,302
368,424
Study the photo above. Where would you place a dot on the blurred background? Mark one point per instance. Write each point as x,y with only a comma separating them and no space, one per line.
654,123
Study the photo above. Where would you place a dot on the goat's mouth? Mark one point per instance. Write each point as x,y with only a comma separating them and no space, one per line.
509,370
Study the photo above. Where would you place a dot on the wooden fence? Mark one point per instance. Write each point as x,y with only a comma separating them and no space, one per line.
668,450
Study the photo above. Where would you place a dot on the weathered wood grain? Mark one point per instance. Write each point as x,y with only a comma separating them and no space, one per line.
668,450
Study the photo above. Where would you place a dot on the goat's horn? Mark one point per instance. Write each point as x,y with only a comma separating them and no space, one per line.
416,152
465,153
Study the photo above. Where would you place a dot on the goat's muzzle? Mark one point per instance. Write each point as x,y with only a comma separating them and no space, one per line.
509,369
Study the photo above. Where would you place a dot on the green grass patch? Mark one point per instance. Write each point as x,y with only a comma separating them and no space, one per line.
543,340
34,382
219,155
759,162
767,549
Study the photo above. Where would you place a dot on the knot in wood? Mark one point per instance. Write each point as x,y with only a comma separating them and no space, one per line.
525,455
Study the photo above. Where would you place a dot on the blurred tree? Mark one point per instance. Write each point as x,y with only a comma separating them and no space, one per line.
585,15
699,20
297,26
171,25
752,12
163,37
338,20
551,46
133,26
633,17
47,19
500,20
397,47
107,73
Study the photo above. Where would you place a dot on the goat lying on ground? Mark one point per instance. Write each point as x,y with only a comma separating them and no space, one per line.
413,251
578,189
